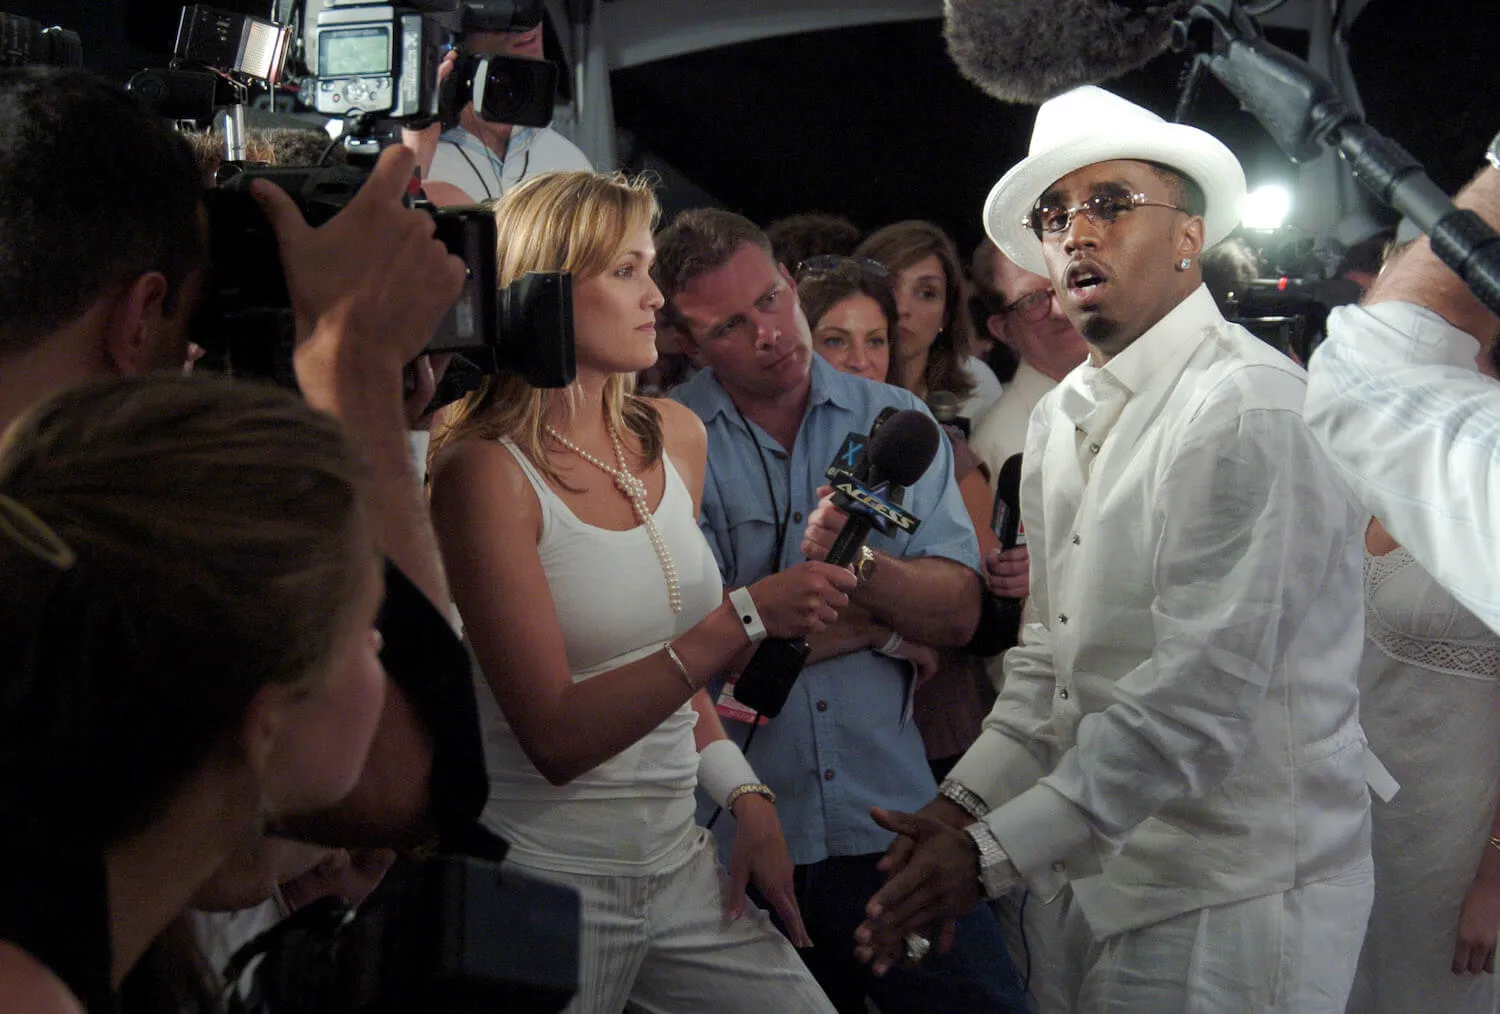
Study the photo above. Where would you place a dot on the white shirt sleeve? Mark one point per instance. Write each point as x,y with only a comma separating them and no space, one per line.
1246,512
1414,429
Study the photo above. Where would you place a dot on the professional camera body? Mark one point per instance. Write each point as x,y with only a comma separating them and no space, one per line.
381,59
526,329
428,940
376,65
24,41
1289,313
1288,304
377,58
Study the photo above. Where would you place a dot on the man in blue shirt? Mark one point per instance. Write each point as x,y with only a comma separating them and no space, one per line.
776,415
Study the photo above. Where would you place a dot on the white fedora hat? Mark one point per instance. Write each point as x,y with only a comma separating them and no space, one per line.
1088,125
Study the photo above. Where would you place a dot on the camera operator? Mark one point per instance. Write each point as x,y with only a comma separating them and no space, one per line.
101,272
479,160
1394,397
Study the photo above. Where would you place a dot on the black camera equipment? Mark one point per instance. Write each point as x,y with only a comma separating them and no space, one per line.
381,60
1289,313
501,15
24,41
235,43
427,940
245,325
504,89
377,58
527,328
1304,114
219,57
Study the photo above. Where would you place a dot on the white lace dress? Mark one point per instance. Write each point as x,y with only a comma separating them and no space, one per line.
1430,704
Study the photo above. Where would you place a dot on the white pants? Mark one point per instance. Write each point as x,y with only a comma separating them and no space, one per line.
661,944
1289,953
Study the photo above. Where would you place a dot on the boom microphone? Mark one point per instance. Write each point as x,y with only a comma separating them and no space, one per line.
899,452
1030,50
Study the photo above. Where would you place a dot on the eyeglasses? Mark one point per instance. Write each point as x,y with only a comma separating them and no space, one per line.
827,263
1031,307
1101,209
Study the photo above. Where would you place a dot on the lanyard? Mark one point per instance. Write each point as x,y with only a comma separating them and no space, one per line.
781,519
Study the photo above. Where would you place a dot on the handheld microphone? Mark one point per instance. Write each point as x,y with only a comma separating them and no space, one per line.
1006,519
1027,51
900,450
999,625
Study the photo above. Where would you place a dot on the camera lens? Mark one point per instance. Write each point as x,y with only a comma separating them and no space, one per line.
506,93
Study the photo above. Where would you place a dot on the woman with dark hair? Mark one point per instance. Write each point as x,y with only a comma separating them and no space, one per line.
597,614
935,330
851,311
187,617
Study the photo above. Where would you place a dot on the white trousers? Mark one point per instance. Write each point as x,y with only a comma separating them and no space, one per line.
1288,953
661,944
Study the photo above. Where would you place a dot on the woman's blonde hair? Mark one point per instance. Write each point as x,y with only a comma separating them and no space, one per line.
577,222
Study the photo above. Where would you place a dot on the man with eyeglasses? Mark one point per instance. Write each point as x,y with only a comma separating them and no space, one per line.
1030,322
1175,770
775,414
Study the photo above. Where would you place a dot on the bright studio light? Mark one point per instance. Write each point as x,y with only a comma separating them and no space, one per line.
1267,207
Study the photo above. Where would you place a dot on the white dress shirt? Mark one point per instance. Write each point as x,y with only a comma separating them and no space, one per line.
1181,729
465,162
1414,429
987,389
1001,431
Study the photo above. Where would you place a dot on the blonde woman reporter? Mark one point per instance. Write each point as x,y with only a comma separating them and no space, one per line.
568,522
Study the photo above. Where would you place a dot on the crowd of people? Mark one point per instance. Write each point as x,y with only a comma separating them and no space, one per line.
1239,752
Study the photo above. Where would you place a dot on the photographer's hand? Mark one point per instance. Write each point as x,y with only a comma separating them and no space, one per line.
368,289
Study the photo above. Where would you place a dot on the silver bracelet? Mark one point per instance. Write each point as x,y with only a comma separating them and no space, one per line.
687,677
967,800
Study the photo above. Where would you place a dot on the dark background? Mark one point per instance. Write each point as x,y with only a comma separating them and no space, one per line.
876,123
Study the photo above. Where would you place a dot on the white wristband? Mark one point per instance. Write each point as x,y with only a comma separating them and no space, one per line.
722,768
744,608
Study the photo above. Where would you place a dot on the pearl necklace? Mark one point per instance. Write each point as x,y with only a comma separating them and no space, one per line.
635,491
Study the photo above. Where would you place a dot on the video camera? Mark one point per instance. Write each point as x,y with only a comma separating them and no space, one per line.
375,64
526,329
381,59
1289,313
427,940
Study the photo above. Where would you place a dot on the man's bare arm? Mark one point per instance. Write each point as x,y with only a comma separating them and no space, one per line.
1416,275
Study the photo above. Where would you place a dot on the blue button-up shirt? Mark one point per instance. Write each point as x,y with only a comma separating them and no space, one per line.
839,746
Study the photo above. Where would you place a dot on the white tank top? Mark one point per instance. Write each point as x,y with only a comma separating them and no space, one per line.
632,814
